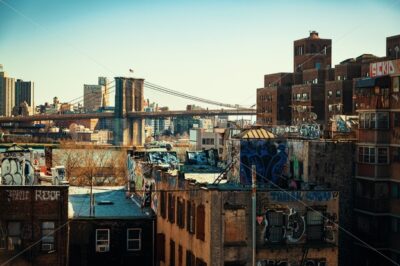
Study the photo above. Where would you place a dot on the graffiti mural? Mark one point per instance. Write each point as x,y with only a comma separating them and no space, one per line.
284,225
310,131
269,158
16,171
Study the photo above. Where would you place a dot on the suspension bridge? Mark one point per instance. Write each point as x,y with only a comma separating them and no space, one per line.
128,115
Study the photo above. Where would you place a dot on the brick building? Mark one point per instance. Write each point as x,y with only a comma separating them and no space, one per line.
116,232
206,220
303,90
317,91
273,99
377,176
312,52
30,234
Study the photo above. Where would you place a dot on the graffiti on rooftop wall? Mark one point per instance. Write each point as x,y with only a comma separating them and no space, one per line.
309,131
16,171
269,158
291,196
284,224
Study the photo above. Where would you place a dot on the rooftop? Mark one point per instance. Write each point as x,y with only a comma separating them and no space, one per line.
110,203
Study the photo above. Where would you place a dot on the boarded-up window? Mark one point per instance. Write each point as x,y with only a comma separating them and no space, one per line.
200,262
161,247
235,222
190,217
190,259
171,208
315,225
171,253
180,212
163,203
200,224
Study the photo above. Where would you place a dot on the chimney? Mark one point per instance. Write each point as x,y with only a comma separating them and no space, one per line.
314,35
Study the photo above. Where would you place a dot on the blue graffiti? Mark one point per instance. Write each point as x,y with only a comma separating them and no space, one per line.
268,157
290,196
318,195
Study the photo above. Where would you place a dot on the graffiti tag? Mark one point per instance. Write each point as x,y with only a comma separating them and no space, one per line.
47,195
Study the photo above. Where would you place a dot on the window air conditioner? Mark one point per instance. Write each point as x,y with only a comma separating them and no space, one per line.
102,248
47,247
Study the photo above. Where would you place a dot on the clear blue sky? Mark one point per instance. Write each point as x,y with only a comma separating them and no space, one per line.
214,49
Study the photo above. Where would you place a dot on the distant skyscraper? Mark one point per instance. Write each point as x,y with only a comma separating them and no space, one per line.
106,96
7,94
96,96
24,92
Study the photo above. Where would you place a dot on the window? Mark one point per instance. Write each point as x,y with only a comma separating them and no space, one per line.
171,208
305,96
395,190
396,119
190,258
396,155
330,94
235,221
2,237
171,253
395,84
330,107
378,120
338,93
275,232
14,235
200,262
102,240
180,255
134,239
383,157
395,225
366,154
315,224
48,236
298,96
161,247
190,218
163,203
180,213
200,225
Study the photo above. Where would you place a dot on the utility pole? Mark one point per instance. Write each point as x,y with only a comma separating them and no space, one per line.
253,215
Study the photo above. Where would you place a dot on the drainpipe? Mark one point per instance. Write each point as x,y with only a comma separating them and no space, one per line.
253,215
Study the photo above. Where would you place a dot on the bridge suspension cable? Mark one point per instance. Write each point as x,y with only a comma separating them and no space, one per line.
165,90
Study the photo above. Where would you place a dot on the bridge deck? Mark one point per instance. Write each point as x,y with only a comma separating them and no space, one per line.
202,113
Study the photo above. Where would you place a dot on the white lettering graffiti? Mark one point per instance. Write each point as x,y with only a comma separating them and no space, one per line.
47,195
17,195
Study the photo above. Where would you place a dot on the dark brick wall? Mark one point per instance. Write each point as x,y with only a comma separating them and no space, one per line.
83,244
278,79
32,205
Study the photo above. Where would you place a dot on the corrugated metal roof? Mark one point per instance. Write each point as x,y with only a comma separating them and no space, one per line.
256,133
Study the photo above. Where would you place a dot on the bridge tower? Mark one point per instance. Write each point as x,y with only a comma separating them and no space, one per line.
128,98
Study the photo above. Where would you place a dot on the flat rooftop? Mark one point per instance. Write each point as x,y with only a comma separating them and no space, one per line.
110,203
